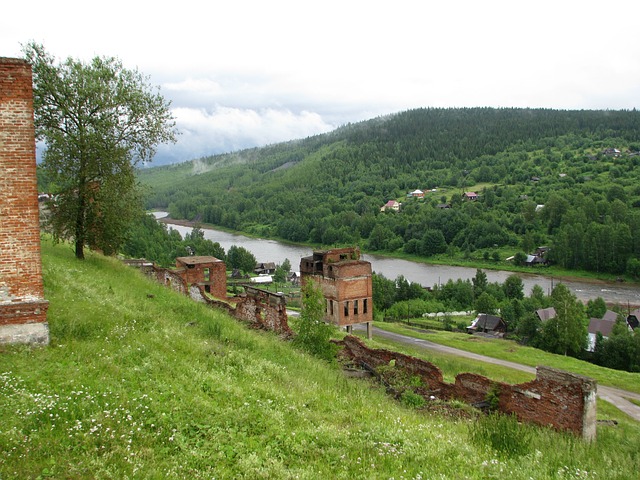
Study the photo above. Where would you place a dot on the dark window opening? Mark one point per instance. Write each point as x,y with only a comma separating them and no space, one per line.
355,307
364,305
346,309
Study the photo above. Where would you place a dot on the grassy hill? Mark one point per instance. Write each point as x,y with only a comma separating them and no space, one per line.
139,382
583,166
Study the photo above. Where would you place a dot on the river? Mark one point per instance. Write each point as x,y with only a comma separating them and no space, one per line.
425,274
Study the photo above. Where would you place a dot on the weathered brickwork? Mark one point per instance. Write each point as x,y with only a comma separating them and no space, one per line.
21,289
260,308
557,399
346,284
209,272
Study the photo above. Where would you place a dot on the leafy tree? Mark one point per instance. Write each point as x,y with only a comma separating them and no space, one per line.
313,333
286,266
596,308
513,287
565,334
98,121
384,291
241,258
485,303
520,258
480,283
280,275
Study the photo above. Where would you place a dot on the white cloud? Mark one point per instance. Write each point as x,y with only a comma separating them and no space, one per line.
224,129
250,72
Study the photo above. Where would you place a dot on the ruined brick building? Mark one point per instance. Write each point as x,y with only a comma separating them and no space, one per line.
23,309
208,272
345,281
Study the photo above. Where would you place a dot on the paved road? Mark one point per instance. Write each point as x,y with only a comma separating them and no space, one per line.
612,395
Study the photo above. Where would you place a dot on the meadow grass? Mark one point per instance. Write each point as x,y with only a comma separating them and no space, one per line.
140,382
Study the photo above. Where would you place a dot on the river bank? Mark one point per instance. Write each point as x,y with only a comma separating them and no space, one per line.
559,275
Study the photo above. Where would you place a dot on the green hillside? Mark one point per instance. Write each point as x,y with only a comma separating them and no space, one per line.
583,166
140,382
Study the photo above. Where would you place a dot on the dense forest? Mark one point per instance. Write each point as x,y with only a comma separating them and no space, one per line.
569,180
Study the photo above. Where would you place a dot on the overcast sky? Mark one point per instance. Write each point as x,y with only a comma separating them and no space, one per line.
250,73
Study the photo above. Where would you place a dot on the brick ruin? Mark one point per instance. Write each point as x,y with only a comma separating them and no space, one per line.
346,284
260,308
557,399
23,309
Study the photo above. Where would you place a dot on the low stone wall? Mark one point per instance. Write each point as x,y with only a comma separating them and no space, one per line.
557,399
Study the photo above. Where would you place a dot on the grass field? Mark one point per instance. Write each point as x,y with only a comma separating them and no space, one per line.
140,382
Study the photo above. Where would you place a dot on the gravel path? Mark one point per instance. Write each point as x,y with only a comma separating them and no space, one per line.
615,396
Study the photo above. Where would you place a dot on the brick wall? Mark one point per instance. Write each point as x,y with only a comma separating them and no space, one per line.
561,400
22,304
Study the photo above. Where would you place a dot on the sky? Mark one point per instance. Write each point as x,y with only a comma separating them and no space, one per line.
250,73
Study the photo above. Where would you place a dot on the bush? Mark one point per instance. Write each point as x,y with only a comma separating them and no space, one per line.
412,399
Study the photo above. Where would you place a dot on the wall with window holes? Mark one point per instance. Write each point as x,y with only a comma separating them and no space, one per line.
557,399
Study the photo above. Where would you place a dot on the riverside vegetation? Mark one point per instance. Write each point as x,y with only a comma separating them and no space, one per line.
140,382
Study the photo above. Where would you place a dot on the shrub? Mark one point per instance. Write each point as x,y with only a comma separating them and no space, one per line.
412,399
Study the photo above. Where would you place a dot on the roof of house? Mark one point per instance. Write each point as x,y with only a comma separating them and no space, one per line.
610,316
266,265
391,203
486,322
198,260
601,325
546,314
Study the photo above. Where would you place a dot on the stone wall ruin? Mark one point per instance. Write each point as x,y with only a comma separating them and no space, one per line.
557,399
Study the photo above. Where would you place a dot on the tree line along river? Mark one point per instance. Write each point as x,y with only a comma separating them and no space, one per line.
426,275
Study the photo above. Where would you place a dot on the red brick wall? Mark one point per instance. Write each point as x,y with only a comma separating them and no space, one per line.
558,399
20,262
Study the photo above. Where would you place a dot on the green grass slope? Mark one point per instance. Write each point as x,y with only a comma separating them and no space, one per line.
139,382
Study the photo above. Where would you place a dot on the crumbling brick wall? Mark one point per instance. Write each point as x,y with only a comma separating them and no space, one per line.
261,308
558,399
23,308
264,309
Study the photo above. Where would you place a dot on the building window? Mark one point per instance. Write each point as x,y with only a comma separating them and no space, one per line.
207,274
346,309
355,307
326,305
364,305
331,307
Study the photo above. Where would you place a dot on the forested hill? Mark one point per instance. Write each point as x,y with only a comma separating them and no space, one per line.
583,166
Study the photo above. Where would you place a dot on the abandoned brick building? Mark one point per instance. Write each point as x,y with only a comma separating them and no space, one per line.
345,281
208,272
23,309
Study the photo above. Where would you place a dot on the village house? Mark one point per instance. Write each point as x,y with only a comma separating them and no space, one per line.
346,284
603,325
471,196
545,314
416,194
485,323
633,319
265,268
391,205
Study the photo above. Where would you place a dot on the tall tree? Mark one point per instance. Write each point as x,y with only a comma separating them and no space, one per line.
241,258
98,120
565,334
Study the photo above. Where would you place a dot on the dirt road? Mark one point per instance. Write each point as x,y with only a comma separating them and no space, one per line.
615,396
